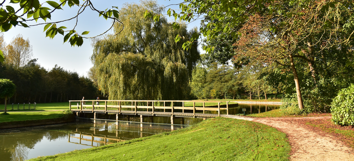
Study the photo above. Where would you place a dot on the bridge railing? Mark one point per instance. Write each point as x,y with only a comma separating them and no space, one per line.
133,106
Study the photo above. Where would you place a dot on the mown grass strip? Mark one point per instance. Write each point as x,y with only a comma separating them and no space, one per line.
26,116
213,139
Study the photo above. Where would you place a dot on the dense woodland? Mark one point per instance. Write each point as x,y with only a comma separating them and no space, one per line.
36,84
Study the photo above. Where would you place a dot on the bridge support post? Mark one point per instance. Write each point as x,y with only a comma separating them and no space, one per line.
117,118
141,120
193,109
94,117
172,127
227,108
218,109
77,114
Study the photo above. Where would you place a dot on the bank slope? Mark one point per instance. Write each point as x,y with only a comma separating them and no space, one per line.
213,139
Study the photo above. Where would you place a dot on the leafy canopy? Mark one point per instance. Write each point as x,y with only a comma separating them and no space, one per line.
7,88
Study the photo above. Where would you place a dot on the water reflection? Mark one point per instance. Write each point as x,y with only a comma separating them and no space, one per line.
26,143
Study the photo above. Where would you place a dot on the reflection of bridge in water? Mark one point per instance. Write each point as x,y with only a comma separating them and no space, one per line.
105,132
92,138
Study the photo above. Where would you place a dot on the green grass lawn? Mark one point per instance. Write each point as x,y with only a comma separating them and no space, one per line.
26,116
213,139
39,106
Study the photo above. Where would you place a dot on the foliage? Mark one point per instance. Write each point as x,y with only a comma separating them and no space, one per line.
215,81
144,61
7,88
18,52
343,107
24,12
36,84
213,139
308,41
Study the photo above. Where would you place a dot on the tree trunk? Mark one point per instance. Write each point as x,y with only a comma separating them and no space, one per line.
5,105
297,84
250,95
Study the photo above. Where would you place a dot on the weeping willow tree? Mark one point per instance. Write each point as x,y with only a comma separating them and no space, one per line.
143,61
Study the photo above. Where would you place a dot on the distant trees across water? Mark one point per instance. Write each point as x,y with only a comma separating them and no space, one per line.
36,84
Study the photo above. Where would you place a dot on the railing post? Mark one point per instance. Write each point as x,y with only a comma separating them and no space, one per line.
81,102
153,108
218,109
182,107
172,107
203,106
93,105
147,106
120,106
193,109
135,108
164,103
70,105
227,108
105,106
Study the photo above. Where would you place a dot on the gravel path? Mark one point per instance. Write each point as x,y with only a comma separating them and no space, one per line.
307,144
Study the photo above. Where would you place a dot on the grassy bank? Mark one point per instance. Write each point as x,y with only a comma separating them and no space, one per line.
27,116
213,139
39,106
280,113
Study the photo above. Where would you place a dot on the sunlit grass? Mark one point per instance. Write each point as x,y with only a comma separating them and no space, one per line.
26,116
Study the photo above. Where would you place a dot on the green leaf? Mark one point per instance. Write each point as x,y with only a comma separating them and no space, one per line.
14,23
169,12
80,41
178,38
61,31
46,26
23,24
36,15
77,2
85,32
36,4
116,14
10,9
157,18
54,4
30,14
5,27
2,58
62,27
15,1
67,36
44,13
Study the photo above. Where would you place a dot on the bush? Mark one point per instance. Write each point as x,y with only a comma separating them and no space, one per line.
290,106
343,107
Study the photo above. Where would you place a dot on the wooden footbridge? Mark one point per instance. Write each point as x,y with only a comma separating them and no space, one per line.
166,108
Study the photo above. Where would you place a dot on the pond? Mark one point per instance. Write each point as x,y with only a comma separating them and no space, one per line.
26,143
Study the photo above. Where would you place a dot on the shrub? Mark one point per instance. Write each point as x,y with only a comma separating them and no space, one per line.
343,107
290,106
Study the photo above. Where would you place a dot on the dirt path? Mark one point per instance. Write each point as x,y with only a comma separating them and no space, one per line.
306,144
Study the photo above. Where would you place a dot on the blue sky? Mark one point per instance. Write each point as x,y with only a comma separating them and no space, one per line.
76,59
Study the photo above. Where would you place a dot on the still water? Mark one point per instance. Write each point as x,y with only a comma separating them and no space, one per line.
26,143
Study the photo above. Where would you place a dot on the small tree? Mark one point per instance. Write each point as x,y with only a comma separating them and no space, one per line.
7,90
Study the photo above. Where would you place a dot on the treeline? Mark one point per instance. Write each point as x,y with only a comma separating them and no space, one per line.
36,84
226,81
